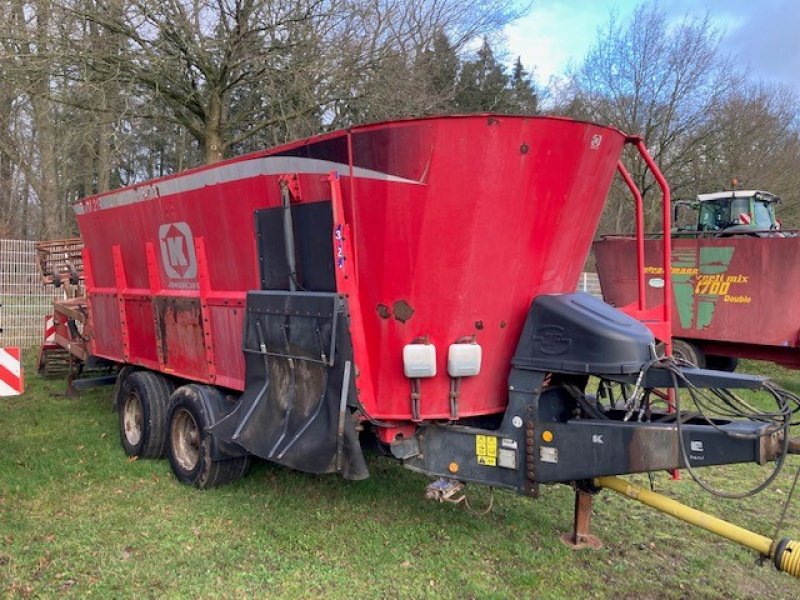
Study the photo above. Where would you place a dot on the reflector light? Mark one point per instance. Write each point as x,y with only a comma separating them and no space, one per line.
419,360
464,360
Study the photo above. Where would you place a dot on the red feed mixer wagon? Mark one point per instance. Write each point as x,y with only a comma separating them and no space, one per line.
408,281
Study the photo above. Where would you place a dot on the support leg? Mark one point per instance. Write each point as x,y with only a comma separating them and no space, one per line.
580,537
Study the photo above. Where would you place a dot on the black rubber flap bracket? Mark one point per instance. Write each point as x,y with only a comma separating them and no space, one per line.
294,410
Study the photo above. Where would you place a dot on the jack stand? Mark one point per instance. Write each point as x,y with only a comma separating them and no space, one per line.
580,537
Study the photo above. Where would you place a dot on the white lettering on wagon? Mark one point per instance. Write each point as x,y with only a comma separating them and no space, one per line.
177,253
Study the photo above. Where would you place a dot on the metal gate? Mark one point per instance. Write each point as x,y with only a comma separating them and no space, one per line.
590,284
24,301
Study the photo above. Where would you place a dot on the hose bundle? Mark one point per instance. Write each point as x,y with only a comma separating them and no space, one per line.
710,404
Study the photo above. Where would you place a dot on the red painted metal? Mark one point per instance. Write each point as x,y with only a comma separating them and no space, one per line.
653,312
639,211
122,286
744,304
666,226
346,285
204,283
449,227
657,319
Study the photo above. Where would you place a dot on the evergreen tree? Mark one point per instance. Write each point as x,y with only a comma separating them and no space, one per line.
444,66
483,84
436,69
523,93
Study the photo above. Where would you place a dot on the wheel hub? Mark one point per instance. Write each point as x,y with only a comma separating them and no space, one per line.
133,418
185,439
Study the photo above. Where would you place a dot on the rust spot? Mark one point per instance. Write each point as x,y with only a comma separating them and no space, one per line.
502,324
492,121
402,311
524,148
179,324
383,311
478,325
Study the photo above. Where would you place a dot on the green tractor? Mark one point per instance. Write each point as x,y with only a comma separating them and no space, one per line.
738,212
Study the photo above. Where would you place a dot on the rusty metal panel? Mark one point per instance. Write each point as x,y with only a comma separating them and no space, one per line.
179,331
106,339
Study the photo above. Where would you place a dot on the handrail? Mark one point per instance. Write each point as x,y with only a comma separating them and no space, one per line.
666,316
639,205
667,228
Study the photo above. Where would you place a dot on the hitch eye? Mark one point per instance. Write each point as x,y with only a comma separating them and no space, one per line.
464,360
419,360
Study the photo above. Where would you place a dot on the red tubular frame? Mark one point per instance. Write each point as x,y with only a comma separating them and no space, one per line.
661,328
639,204
659,320
666,219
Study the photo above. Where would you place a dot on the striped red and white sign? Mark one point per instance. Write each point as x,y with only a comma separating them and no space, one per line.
49,330
11,378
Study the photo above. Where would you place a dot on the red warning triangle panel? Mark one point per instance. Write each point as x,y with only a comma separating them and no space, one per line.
11,376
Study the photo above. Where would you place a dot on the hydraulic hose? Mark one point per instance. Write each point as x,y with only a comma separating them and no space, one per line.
785,553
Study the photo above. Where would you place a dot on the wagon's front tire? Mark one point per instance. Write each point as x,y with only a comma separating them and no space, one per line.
189,443
143,401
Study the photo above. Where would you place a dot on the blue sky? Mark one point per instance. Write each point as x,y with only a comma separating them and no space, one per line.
762,36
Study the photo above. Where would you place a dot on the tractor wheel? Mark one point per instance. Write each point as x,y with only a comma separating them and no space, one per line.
688,352
189,443
143,400
722,363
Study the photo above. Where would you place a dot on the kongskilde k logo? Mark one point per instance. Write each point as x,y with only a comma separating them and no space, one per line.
177,250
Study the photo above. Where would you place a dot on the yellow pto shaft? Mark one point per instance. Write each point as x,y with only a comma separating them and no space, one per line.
784,553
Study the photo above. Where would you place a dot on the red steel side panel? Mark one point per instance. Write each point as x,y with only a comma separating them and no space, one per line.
455,224
505,209
741,290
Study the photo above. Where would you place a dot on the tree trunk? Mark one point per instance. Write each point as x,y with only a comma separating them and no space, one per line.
44,125
213,143
104,131
6,171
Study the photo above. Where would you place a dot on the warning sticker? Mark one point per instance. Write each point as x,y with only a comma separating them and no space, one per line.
486,450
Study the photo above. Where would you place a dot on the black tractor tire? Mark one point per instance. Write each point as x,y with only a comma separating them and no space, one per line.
688,352
721,363
189,442
142,409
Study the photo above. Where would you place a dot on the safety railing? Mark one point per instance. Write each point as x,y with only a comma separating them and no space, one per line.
659,318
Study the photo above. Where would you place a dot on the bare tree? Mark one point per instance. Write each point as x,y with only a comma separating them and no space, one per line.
227,70
100,93
755,141
26,41
661,81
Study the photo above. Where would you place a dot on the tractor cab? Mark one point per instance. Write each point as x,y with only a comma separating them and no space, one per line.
728,213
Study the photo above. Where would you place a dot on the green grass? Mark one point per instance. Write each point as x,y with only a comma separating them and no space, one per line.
77,518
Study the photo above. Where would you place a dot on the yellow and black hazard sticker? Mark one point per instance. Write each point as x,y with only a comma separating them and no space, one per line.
486,450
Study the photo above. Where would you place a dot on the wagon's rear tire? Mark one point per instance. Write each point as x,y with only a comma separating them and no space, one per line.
683,350
189,443
143,401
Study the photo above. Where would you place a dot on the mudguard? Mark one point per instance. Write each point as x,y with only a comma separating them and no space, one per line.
295,409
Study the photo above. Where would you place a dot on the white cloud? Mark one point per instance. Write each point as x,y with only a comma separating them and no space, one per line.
760,35
555,33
